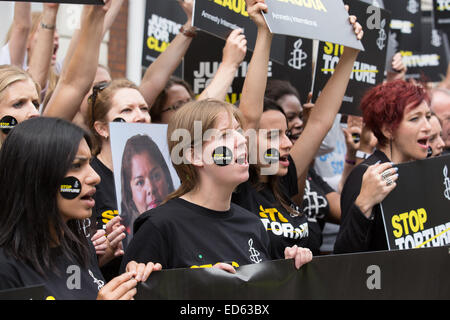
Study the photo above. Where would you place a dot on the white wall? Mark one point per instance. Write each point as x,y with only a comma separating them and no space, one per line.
68,20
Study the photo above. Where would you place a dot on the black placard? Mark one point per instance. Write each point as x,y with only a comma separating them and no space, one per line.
369,67
430,61
163,20
406,20
416,212
441,14
220,17
387,275
201,65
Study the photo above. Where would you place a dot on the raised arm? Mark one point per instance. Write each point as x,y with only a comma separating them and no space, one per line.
109,20
76,79
252,100
233,54
159,72
326,107
41,56
20,30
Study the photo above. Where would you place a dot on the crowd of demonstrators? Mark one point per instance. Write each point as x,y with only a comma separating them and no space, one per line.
273,198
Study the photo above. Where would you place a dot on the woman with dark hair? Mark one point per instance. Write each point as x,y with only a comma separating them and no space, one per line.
145,179
268,193
40,231
398,114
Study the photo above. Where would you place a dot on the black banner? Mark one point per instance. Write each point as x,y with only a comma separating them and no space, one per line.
369,68
416,212
325,20
430,61
163,20
441,14
220,17
405,20
389,275
201,65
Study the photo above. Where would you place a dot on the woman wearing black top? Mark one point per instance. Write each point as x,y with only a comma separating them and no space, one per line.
268,192
398,114
47,188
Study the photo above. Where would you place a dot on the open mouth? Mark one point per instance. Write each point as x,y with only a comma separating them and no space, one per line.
423,142
89,196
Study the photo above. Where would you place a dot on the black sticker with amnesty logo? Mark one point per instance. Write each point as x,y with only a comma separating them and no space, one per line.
70,188
271,156
7,123
222,156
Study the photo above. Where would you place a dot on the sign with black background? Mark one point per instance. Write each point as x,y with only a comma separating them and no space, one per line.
402,274
201,65
441,14
430,61
325,20
163,20
219,18
406,20
369,67
416,212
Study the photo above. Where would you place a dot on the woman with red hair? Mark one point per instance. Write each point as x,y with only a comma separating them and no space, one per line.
398,114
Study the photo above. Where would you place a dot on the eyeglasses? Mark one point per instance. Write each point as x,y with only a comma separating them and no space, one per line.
99,87
177,105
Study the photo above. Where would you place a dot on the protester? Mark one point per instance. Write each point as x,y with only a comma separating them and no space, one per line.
19,98
41,241
398,114
265,194
198,227
435,141
440,105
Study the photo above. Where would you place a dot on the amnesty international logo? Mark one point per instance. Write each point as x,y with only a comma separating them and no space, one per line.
446,183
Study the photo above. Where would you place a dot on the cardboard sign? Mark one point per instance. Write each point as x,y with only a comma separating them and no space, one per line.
201,65
325,20
142,163
163,20
406,20
428,63
383,275
416,212
220,17
369,66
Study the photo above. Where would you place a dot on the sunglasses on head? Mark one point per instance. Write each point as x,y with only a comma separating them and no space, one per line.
96,89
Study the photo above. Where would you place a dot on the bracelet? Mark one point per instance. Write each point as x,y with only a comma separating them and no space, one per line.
352,162
188,32
47,26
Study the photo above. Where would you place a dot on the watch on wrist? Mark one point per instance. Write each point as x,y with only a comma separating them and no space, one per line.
362,155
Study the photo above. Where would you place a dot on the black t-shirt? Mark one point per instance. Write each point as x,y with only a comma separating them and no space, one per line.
105,208
315,206
285,229
358,233
180,234
71,281
105,196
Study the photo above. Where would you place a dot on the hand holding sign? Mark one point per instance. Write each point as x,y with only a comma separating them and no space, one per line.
254,9
378,182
